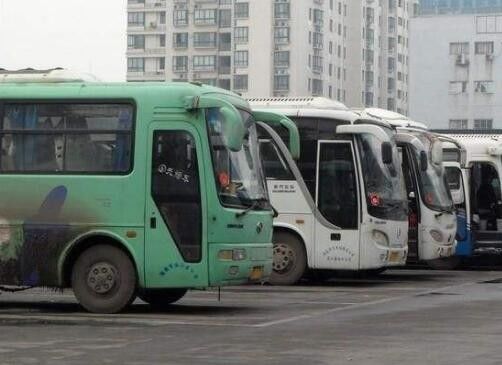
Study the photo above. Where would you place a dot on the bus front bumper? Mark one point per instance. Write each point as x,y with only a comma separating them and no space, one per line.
234,264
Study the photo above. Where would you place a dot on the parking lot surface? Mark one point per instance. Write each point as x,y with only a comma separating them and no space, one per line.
402,316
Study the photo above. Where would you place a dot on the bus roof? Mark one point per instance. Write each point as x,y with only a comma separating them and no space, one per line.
172,94
297,102
395,119
30,75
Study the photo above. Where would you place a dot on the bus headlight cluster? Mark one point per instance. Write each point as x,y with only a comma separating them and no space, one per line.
380,238
232,255
436,235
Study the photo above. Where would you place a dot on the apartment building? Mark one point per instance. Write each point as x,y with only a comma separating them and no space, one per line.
275,47
456,64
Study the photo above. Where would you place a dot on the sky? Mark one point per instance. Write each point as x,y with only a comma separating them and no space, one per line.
81,35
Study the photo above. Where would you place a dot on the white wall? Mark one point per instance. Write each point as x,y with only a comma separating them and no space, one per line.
432,68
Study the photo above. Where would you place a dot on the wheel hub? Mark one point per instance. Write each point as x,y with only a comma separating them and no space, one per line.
102,277
284,257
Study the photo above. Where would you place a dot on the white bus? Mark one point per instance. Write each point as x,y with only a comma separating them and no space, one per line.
342,205
432,220
474,180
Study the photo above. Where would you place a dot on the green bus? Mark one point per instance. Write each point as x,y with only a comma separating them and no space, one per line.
119,190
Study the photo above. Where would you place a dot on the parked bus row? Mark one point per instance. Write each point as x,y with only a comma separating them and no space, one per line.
125,190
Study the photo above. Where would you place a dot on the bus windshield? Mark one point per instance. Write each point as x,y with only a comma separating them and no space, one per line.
239,178
384,183
432,182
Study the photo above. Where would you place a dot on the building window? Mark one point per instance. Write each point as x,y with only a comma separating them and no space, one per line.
162,40
180,63
458,87
241,82
162,18
224,84
483,47
241,10
204,63
241,58
241,34
317,40
489,24
483,123
204,16
204,39
281,58
318,17
225,18
458,124
458,48
281,35
281,10
317,87
180,17
136,41
281,82
485,87
161,63
67,138
180,40
135,64
136,19
225,43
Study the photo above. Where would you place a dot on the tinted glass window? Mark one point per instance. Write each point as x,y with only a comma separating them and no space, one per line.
176,189
337,198
66,138
273,163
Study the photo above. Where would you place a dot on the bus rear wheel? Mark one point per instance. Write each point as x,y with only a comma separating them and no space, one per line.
290,260
104,279
162,297
447,263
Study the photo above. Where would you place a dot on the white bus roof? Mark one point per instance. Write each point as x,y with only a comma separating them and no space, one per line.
479,144
395,119
297,102
54,75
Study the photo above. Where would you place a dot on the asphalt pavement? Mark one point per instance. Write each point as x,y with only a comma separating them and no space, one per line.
401,317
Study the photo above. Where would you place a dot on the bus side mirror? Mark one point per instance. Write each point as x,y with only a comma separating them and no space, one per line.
233,128
424,163
386,153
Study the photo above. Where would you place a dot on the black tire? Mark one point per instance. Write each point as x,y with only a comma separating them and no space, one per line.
104,279
290,259
447,263
162,297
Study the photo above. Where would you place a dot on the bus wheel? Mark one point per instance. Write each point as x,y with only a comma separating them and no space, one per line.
290,260
160,298
104,279
447,263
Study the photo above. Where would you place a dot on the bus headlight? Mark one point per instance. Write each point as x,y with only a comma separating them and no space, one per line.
436,235
380,238
232,255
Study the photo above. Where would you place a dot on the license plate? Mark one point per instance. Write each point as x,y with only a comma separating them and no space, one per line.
394,256
256,273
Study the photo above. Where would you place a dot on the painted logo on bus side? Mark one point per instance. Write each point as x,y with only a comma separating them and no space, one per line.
338,253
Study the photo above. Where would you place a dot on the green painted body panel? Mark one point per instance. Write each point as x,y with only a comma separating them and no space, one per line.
34,243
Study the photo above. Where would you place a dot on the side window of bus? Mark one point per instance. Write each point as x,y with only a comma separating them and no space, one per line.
273,163
337,194
176,189
67,138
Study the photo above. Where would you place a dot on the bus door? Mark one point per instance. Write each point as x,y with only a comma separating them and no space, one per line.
175,243
455,179
413,202
337,199
486,205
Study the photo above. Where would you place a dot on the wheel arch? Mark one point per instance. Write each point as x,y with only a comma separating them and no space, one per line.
87,240
292,229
